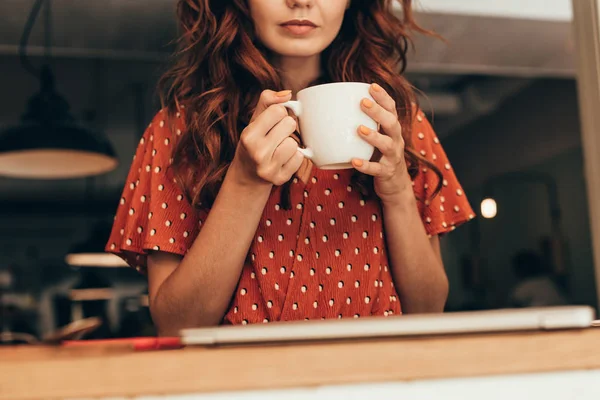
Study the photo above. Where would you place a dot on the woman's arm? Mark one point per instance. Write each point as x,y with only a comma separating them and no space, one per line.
415,259
416,262
196,290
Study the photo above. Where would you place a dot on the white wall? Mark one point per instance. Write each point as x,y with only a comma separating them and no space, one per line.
549,10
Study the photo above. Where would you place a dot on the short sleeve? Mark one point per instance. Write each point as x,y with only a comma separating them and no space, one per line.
153,213
450,207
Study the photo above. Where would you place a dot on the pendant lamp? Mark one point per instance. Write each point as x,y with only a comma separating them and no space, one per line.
48,143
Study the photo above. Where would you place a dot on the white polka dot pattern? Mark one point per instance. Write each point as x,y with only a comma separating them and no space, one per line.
153,213
325,257
449,208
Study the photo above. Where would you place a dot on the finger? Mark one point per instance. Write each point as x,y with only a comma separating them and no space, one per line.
388,121
285,151
292,166
383,98
368,167
385,144
282,131
268,98
267,120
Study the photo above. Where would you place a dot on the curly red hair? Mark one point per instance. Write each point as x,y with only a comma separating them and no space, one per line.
220,69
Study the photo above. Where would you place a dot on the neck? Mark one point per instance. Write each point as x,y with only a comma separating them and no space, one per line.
298,72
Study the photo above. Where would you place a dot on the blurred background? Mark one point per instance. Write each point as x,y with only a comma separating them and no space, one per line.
501,94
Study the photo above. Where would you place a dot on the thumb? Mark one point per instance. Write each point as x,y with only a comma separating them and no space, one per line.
268,98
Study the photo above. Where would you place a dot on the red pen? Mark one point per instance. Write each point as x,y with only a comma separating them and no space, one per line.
138,344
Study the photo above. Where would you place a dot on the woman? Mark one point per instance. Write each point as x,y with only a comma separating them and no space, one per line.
233,226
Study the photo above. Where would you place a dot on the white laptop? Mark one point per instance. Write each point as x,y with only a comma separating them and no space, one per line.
505,320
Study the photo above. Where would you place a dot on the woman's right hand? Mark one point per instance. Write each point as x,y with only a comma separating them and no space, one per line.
266,152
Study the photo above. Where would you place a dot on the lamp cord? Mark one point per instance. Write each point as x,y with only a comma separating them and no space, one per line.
48,32
33,14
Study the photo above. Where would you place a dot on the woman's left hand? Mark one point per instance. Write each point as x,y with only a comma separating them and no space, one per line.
390,173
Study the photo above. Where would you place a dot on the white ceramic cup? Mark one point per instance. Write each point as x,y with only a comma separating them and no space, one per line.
330,115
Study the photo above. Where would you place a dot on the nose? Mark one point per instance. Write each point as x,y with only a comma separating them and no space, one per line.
300,3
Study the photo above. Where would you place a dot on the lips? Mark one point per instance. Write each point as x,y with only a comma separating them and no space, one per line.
299,27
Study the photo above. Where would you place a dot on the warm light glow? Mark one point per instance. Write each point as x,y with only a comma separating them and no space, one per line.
54,164
489,208
92,294
103,260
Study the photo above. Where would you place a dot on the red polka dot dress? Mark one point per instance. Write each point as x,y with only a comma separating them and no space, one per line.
324,258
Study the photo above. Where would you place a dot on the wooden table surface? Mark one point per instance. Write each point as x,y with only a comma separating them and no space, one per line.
88,372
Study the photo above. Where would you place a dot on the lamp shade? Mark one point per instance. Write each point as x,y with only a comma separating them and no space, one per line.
48,144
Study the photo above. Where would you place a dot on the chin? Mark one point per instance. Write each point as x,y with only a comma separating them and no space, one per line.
297,53
296,48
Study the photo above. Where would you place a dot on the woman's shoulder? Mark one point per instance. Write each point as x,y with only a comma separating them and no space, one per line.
153,212
166,126
421,127
446,210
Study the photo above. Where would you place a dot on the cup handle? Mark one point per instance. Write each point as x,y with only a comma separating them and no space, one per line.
296,108
308,153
